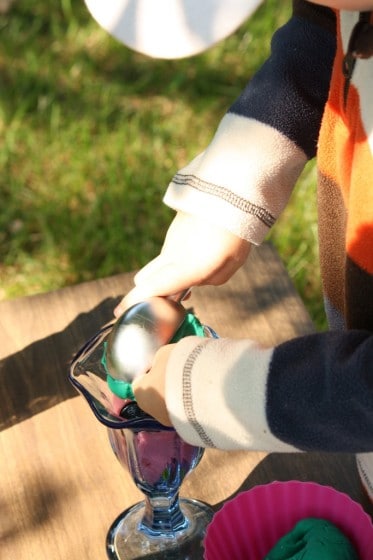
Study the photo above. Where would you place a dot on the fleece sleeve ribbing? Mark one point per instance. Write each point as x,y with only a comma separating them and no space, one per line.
244,178
312,393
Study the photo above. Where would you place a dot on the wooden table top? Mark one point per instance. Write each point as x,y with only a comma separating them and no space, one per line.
61,486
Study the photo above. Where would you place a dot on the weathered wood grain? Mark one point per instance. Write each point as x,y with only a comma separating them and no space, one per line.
60,485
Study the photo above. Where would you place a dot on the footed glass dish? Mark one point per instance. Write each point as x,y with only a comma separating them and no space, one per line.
163,525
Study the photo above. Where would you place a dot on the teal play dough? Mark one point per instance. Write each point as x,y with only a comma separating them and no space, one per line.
121,388
313,539
191,326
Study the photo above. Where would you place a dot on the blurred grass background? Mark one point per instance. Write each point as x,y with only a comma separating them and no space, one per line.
91,133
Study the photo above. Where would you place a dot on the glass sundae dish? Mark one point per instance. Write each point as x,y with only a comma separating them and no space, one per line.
162,525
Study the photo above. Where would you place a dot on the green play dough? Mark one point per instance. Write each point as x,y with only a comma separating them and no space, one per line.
313,539
189,327
121,388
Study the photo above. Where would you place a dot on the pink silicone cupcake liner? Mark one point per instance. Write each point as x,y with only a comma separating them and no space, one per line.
248,526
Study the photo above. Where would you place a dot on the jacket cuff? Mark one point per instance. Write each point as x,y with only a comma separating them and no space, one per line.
242,181
216,394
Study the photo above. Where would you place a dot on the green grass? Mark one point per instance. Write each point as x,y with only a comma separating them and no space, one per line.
91,133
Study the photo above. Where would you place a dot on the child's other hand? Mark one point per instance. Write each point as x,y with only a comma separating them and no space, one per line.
150,389
194,253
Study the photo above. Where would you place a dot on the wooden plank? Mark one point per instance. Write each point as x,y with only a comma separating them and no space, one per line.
39,334
61,486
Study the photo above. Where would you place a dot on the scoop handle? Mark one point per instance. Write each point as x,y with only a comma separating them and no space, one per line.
179,297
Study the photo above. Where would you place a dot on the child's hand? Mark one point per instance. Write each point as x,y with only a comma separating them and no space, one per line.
149,389
195,252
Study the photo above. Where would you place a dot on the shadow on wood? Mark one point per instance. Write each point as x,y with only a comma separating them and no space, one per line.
36,378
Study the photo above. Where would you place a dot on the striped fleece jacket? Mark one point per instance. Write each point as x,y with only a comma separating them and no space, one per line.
313,96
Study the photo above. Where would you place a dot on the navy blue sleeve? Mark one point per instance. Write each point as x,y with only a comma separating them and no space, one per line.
291,88
320,392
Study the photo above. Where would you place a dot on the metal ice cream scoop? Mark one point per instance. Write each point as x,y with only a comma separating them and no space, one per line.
139,333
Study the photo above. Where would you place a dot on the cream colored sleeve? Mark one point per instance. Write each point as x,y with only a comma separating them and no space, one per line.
216,394
242,181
